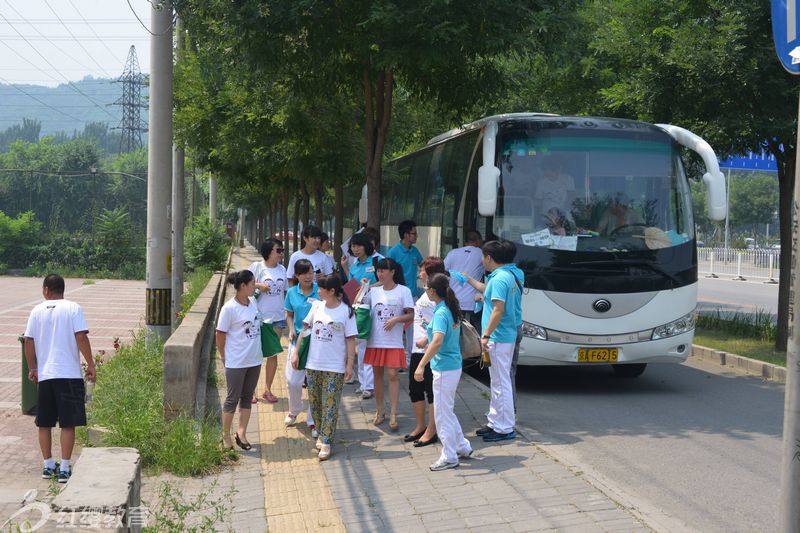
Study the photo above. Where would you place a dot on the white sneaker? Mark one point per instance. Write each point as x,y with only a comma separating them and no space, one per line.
367,394
314,432
359,390
290,420
325,452
465,455
442,465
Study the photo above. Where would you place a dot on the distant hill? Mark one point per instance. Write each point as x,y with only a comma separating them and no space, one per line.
15,105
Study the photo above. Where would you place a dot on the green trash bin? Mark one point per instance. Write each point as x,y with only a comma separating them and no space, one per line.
29,390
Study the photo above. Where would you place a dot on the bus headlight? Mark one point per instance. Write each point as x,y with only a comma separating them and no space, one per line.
533,331
676,327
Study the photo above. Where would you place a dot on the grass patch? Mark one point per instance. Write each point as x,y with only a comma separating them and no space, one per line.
196,281
128,400
759,325
754,348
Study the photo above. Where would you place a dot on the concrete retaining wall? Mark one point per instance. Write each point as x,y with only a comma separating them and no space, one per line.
186,349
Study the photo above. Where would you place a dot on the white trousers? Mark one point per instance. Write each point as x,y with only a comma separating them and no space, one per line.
447,426
294,386
365,374
501,404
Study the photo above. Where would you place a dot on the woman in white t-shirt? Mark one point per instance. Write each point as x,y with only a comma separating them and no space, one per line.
330,357
391,308
239,345
271,281
418,391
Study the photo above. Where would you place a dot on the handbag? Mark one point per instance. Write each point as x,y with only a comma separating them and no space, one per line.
302,349
470,341
363,313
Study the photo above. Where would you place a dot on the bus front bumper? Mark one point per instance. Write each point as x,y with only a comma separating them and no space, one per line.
536,352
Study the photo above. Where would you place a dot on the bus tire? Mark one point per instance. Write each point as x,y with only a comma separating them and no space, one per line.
632,370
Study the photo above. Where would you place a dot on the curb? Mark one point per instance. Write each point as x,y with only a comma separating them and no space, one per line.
747,365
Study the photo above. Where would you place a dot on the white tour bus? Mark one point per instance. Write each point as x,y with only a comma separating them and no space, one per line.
600,211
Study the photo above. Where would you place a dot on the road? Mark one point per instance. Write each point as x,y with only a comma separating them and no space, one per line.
691,446
729,295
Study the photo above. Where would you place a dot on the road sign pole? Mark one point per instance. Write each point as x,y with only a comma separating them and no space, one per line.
790,474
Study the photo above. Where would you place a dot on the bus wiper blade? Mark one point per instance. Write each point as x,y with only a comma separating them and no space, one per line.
632,262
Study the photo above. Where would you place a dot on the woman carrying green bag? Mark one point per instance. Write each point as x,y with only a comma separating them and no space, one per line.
271,281
298,303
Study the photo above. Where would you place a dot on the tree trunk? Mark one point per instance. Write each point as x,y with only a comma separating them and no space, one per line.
338,220
378,114
786,179
285,225
261,229
296,215
271,221
318,203
306,204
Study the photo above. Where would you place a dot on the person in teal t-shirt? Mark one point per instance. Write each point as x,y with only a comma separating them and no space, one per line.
298,303
502,306
444,354
407,255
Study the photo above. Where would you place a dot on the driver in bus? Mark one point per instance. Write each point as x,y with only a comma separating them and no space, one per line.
618,216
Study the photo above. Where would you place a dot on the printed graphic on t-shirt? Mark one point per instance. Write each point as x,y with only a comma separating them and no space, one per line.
252,330
323,331
385,312
274,287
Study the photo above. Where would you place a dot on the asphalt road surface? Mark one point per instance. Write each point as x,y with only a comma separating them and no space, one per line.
693,447
744,296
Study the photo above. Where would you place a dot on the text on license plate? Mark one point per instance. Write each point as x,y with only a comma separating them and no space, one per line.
598,355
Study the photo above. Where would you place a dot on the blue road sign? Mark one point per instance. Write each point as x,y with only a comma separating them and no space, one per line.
785,33
761,162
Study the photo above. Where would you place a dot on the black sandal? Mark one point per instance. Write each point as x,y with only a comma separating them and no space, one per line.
421,443
243,445
411,438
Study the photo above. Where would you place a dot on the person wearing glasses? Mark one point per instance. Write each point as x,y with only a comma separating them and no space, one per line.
444,354
270,276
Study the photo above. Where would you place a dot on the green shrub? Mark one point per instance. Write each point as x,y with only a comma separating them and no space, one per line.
205,245
128,400
759,325
18,238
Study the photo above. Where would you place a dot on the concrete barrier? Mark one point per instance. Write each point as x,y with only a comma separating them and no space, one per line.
101,498
186,349
743,364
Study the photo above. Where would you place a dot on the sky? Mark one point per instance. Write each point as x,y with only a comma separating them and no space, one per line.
50,42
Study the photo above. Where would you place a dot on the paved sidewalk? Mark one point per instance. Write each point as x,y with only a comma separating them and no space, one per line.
375,482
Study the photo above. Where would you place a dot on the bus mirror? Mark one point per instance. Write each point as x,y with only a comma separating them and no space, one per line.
715,185
362,206
488,181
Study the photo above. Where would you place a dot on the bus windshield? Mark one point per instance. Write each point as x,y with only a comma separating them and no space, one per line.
577,190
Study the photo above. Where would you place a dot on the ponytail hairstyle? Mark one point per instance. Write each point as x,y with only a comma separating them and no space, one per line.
334,282
390,264
242,277
440,283
302,266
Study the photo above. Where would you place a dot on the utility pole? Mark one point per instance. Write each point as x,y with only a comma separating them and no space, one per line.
790,480
158,317
212,199
178,200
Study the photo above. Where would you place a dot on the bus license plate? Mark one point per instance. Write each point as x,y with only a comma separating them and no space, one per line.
598,355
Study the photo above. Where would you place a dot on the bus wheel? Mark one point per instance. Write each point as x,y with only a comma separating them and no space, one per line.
633,370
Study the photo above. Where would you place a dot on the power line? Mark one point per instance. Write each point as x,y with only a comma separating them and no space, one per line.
160,6
73,36
40,101
91,29
5,38
56,70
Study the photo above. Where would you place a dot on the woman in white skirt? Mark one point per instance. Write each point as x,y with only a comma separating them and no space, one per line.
444,355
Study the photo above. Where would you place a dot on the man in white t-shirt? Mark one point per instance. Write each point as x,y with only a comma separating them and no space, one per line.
469,260
310,251
55,337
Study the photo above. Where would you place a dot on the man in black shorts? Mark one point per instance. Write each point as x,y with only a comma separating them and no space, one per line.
55,338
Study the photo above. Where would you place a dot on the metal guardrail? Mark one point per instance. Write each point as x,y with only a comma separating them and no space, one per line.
740,264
